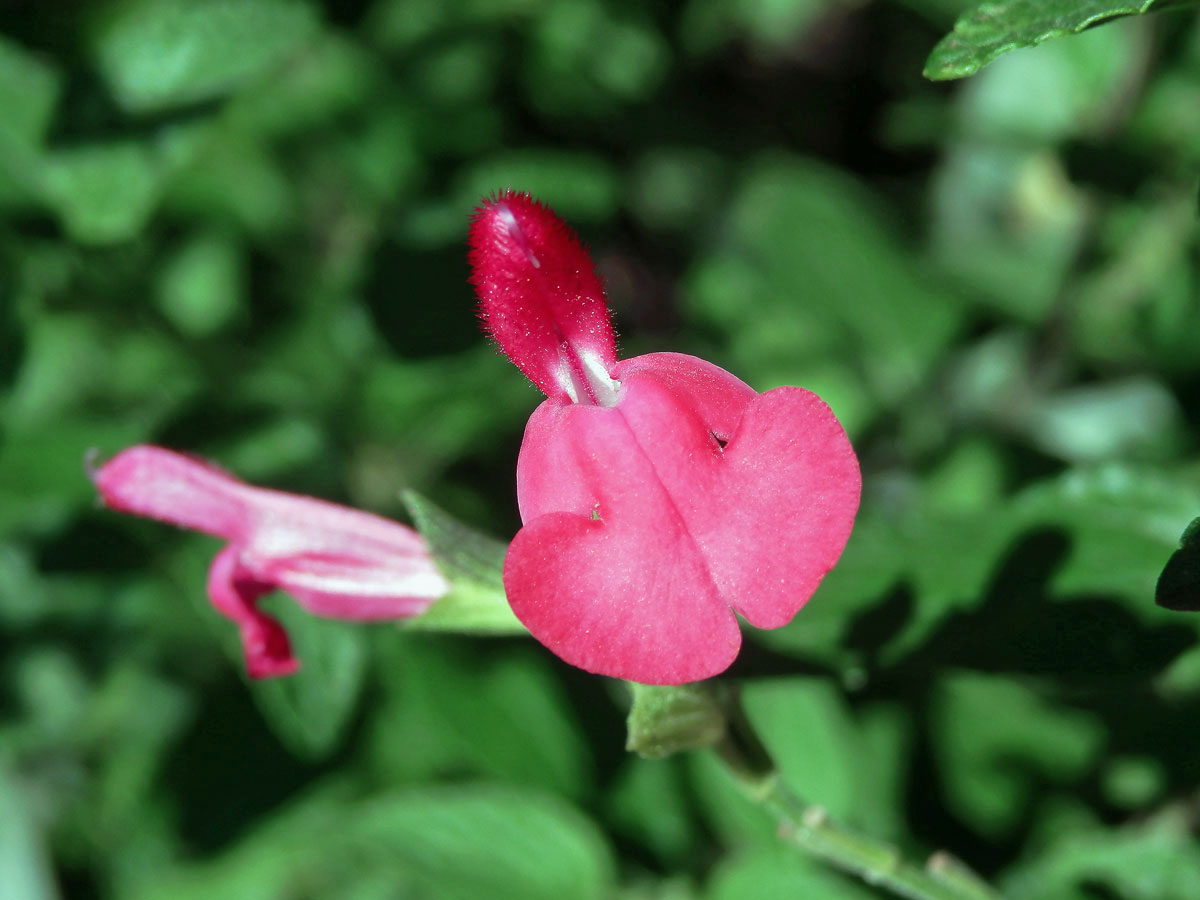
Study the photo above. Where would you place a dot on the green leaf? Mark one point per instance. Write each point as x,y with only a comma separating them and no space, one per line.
813,289
200,286
22,858
474,564
667,719
448,843
1179,584
476,841
103,193
1118,522
330,76
29,92
158,54
806,727
993,29
234,180
449,693
1000,747
310,710
29,89
1153,860
778,872
649,801
822,755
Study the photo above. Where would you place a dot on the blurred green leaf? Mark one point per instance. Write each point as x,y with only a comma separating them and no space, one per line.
30,86
588,58
580,186
1075,81
1008,223
200,287
234,180
722,802
810,733
450,699
73,361
447,843
774,26
496,842
780,873
1121,419
673,187
805,272
29,90
103,193
22,858
1118,524
993,29
432,411
650,802
1124,521
158,54
311,709
326,77
1153,860
42,479
1178,586
1135,307
1134,782
807,729
1002,747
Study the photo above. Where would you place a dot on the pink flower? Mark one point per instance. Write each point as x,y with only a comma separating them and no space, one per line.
659,494
336,562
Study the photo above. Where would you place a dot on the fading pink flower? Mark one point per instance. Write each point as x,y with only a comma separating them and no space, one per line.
336,562
659,494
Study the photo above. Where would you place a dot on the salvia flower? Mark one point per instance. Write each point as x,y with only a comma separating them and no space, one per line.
659,494
336,562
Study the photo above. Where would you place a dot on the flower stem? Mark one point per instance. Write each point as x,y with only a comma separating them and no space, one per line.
808,827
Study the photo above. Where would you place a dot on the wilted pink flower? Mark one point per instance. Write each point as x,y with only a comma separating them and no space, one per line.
336,562
659,494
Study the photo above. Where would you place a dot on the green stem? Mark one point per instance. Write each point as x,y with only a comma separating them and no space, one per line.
809,827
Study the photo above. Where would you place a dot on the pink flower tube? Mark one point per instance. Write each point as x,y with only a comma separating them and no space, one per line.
336,562
660,495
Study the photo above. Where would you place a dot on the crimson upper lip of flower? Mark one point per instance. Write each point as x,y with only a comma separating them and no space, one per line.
659,494
336,562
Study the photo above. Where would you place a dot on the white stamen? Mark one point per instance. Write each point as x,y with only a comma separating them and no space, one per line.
603,386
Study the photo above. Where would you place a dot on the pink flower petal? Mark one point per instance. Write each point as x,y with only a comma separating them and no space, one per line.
333,587
648,534
716,396
172,487
264,642
335,561
539,297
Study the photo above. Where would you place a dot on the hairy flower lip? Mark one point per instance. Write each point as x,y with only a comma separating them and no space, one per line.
541,300
335,561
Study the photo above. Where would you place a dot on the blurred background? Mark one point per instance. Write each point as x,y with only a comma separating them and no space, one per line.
236,228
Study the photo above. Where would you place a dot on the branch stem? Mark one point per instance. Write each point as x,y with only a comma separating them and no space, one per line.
809,828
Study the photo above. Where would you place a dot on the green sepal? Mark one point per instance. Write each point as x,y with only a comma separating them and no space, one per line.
473,563
666,719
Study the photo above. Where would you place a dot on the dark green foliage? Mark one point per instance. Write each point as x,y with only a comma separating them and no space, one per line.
996,28
236,228
1178,586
